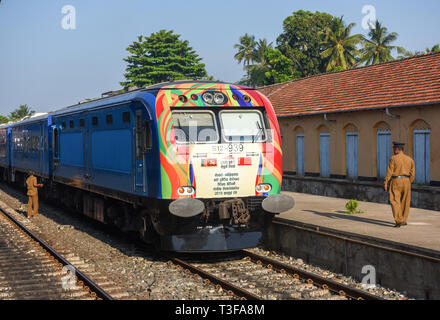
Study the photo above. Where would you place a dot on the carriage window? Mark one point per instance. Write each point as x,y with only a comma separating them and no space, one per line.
197,126
109,119
126,117
81,123
95,121
63,125
243,126
71,124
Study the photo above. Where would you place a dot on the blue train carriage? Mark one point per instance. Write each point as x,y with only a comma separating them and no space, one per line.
104,159
4,151
28,149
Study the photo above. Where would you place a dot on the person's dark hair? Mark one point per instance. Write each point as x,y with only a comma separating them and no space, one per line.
399,148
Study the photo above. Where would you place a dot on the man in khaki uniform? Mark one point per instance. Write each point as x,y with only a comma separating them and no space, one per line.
401,172
32,185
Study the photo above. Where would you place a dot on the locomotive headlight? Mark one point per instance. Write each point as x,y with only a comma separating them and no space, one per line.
219,98
263,188
208,97
214,97
186,191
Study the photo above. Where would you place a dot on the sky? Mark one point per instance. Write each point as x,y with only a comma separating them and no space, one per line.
47,66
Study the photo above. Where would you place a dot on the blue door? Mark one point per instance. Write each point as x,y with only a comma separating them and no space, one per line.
324,154
351,154
383,142
300,154
40,147
422,156
139,154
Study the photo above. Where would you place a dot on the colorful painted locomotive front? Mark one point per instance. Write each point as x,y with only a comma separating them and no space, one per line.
221,165
201,151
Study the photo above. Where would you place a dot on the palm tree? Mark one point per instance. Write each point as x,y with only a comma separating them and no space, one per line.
260,51
377,48
246,50
257,71
340,48
21,112
253,55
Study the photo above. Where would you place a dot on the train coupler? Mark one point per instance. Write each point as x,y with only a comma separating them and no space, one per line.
234,210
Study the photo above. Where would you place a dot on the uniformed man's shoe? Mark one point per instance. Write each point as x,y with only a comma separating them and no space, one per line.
397,225
403,224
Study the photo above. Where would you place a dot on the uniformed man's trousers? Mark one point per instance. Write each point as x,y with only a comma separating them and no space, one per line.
400,198
32,206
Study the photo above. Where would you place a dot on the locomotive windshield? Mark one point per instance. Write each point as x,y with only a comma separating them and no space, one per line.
195,126
243,126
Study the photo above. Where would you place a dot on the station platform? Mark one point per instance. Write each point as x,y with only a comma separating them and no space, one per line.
375,223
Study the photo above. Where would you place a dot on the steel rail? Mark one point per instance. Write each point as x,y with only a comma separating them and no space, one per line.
312,278
223,283
94,288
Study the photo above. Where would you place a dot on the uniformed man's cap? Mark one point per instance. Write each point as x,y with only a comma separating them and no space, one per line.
398,144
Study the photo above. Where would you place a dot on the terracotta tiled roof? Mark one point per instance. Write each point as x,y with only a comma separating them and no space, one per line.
398,83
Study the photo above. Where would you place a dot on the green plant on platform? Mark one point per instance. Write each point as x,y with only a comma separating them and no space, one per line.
351,207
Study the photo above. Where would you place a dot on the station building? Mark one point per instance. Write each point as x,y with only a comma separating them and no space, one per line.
337,129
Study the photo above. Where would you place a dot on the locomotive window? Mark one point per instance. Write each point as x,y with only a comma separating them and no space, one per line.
71,124
243,126
109,119
195,127
126,117
81,123
95,121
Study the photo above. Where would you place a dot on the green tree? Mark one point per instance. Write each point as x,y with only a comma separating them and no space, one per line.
340,47
21,112
4,119
161,57
377,48
435,48
281,68
300,41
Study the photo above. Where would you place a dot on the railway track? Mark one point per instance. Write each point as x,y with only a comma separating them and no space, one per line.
31,269
243,275
255,277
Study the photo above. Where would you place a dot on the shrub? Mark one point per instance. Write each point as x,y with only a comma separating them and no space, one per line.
351,207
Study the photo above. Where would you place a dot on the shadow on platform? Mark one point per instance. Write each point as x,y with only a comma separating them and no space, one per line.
351,218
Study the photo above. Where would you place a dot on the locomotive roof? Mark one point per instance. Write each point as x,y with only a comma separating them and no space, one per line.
118,98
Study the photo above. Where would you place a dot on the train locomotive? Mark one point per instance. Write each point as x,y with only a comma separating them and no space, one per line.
191,166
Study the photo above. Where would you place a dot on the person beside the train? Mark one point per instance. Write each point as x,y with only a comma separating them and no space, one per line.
32,192
401,172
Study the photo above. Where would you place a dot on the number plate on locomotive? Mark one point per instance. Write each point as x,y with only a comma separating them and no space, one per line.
231,148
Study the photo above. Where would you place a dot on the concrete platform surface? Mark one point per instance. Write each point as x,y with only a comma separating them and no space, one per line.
376,221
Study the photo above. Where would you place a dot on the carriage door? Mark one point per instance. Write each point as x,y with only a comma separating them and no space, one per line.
85,123
40,148
55,146
383,142
421,142
140,163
